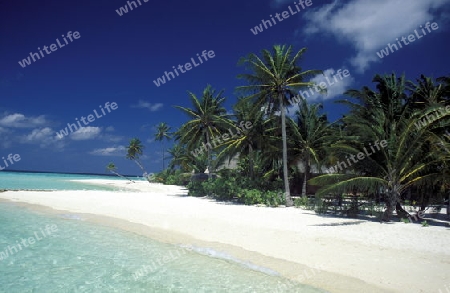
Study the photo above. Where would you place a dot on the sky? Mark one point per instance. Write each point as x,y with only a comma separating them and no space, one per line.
100,65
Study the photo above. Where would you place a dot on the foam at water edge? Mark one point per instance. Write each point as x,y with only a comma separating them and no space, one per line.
223,255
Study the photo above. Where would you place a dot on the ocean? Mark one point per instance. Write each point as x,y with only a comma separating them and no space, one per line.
63,252
52,181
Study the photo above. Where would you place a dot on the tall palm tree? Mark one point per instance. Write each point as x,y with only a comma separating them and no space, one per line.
162,132
208,118
135,151
274,79
111,167
309,137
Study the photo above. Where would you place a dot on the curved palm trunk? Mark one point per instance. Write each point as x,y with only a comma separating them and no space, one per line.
140,165
117,174
285,166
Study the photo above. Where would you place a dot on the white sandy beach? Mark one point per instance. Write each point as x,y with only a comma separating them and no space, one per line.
359,257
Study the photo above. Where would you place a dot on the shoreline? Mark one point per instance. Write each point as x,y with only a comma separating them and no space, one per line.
281,239
265,264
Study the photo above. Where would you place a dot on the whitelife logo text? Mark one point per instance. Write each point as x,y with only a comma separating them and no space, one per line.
76,35
411,38
90,118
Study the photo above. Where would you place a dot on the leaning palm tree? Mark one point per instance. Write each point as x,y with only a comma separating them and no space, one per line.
273,81
135,151
162,132
111,167
208,118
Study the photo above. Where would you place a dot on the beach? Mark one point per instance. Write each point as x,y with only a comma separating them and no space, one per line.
345,255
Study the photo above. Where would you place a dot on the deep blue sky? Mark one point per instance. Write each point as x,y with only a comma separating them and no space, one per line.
117,58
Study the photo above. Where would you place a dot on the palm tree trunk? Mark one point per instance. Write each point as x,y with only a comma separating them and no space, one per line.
285,166
209,157
305,178
250,163
117,174
163,157
140,165
391,202
448,206
304,185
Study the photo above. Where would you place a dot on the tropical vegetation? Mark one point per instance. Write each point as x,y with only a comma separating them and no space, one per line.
288,151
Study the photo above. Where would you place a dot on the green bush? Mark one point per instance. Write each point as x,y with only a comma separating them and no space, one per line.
221,188
196,189
405,220
230,185
250,196
255,196
302,202
321,206
274,198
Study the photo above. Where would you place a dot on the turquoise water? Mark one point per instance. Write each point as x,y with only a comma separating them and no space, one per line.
64,253
50,181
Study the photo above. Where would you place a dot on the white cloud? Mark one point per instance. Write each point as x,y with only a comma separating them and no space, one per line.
18,120
111,138
146,105
111,151
109,129
335,84
44,137
370,25
85,133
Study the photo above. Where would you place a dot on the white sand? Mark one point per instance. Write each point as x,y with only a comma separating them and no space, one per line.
362,257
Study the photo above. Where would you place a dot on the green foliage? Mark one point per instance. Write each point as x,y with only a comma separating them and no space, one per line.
273,198
196,189
404,220
255,196
424,224
230,185
354,208
221,188
250,196
321,205
302,202
170,177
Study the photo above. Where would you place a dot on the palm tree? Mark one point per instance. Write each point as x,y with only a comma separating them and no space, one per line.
208,119
309,137
134,151
255,139
111,167
162,132
274,79
404,163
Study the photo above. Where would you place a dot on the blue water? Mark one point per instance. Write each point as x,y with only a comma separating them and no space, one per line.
80,256
65,253
50,181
